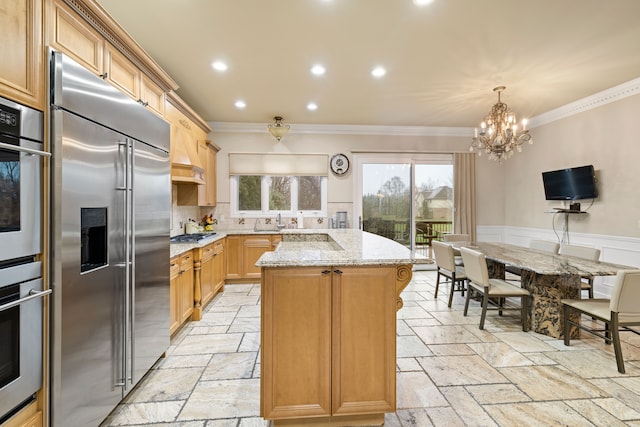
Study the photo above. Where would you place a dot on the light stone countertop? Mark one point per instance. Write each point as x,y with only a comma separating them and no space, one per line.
320,247
543,262
335,247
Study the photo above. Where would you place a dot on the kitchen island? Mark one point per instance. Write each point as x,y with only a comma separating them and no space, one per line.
328,327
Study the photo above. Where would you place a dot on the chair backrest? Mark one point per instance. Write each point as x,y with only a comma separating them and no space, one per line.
585,252
545,245
456,238
475,266
625,296
444,255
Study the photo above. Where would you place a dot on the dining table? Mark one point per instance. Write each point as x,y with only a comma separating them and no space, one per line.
549,278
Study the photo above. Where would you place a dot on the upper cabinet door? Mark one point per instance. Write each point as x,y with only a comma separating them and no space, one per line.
152,95
73,36
22,66
121,73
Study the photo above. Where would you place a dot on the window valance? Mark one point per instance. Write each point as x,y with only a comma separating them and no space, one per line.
278,164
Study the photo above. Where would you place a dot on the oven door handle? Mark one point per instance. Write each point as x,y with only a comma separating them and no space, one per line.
24,149
32,294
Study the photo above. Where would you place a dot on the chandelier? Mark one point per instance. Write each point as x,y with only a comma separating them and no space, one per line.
277,128
499,135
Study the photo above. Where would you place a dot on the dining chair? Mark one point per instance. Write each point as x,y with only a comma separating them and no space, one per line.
545,246
541,245
445,262
475,265
618,313
585,252
456,238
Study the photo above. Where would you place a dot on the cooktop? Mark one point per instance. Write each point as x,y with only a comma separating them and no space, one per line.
190,238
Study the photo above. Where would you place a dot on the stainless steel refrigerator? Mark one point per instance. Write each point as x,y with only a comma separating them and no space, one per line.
111,202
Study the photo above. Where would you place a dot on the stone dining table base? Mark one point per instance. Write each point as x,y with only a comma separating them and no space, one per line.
547,291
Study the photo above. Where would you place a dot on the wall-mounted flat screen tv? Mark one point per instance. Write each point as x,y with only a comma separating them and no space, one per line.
570,184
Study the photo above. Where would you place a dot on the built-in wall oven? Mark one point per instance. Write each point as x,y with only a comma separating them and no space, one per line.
21,285
21,135
20,335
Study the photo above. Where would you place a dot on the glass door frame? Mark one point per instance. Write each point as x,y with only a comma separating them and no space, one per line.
412,159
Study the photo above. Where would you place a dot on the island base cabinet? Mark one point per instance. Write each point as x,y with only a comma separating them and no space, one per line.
328,345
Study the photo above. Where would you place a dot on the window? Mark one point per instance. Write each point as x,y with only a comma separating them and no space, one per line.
259,195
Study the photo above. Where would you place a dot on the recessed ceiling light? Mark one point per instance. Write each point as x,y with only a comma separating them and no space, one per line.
220,66
312,106
378,72
318,70
240,104
422,2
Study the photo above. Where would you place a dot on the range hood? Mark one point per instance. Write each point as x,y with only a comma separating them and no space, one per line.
186,167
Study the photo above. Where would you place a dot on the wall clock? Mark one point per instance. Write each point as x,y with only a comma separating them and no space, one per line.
339,164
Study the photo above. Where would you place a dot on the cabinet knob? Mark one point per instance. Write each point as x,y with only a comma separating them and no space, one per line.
326,272
337,271
104,76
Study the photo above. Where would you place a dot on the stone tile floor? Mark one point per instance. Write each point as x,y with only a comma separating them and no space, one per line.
449,373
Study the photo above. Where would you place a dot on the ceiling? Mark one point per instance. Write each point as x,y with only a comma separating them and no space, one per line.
442,60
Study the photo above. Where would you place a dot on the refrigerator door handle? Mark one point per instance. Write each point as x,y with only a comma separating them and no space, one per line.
132,262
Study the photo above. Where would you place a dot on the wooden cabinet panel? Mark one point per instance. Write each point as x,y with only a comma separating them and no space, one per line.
185,288
181,290
121,73
206,274
207,153
328,332
295,375
219,267
253,248
242,253
22,65
363,345
174,296
234,257
152,95
71,35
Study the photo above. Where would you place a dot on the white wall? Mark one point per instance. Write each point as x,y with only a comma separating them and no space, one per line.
340,189
603,136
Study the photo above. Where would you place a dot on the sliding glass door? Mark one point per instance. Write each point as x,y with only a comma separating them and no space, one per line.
406,198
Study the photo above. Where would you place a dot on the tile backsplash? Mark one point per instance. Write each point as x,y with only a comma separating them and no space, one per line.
223,221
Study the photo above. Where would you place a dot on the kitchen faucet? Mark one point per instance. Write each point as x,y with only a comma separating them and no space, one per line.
256,226
279,224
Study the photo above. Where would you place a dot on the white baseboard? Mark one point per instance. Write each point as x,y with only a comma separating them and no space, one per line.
614,249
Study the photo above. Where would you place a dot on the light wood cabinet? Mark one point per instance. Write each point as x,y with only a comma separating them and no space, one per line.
70,34
73,35
219,267
121,73
208,152
124,75
22,66
205,278
209,275
328,343
234,257
174,296
152,95
30,416
242,253
252,248
181,290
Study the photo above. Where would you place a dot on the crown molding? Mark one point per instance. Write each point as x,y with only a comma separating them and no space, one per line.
596,100
237,127
599,99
